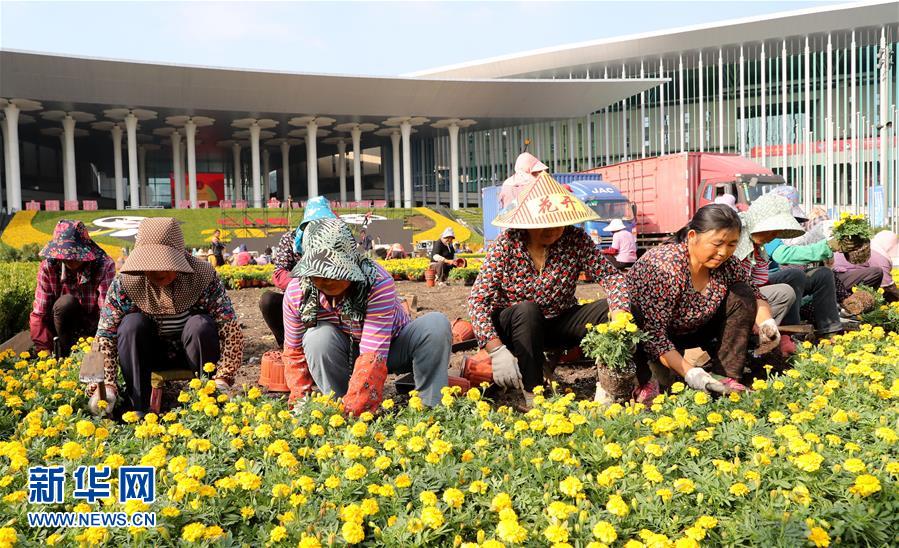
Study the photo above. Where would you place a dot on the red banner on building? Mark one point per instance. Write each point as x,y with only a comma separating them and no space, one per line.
210,188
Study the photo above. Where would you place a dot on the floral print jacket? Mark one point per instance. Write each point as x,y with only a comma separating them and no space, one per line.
509,276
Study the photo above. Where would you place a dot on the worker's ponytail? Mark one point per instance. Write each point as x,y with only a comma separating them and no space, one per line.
709,218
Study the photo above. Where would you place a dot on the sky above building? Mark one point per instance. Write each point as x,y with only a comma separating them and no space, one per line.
367,38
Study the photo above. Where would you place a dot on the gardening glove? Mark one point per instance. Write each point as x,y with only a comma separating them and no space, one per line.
93,404
699,379
366,388
505,368
769,337
601,396
296,373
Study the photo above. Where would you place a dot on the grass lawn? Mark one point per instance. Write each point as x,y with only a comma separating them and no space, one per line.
198,224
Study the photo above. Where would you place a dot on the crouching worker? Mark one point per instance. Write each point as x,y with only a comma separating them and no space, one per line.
343,317
523,301
166,310
694,293
72,282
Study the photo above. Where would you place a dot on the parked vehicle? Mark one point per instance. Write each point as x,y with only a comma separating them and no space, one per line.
667,190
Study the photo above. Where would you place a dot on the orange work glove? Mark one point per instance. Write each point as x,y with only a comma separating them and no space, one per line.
296,373
366,389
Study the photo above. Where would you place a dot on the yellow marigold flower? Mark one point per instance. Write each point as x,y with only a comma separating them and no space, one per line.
428,498
809,462
85,428
402,481
352,532
193,532
571,486
556,533
739,489
309,542
865,485
605,532
432,517
684,485
819,537
613,450
355,472
278,534
854,465
616,505
71,450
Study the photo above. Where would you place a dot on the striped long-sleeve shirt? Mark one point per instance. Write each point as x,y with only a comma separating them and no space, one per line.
384,317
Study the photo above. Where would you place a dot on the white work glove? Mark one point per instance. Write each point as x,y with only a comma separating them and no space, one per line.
93,404
769,337
602,396
505,368
699,379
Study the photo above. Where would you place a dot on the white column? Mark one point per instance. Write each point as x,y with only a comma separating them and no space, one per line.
117,162
190,129
406,129
454,165
341,168
312,158
68,128
65,171
857,197
680,99
742,112
661,115
238,178
133,181
356,134
807,127
882,128
13,180
142,172
764,139
285,169
254,162
6,168
642,119
720,101
701,105
177,174
783,108
828,132
571,166
395,148
266,170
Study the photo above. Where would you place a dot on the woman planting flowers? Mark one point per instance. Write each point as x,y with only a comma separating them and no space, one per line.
523,300
164,309
343,313
693,292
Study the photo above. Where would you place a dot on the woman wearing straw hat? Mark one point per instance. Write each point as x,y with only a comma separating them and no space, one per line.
166,309
72,282
343,313
523,300
443,254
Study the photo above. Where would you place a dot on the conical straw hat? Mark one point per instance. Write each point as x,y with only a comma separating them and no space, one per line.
545,204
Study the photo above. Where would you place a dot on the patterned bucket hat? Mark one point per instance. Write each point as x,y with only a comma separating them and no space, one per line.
768,213
158,247
317,208
791,193
330,252
545,204
71,242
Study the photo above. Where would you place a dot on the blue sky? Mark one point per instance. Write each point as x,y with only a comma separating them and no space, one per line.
375,38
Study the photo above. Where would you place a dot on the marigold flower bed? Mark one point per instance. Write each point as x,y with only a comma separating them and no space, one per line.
806,458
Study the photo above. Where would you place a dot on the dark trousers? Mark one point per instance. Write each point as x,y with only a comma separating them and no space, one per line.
70,322
820,285
870,276
725,336
142,351
891,293
271,307
441,270
527,333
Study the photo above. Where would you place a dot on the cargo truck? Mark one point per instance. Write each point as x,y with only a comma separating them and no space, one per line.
667,190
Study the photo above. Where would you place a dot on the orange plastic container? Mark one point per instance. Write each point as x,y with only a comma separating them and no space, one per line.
271,372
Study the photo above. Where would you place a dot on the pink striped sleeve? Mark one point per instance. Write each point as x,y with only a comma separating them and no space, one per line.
377,330
293,325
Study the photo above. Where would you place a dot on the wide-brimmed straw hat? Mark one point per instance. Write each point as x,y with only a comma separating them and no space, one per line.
768,213
791,193
330,252
71,242
545,204
158,247
527,167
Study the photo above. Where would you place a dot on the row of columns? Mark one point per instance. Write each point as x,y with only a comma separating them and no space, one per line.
399,129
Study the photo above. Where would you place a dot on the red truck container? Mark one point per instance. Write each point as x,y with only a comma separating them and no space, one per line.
667,190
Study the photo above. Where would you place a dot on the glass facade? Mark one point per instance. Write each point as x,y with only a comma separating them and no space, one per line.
820,110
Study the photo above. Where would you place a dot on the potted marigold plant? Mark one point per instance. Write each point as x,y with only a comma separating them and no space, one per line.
612,346
854,236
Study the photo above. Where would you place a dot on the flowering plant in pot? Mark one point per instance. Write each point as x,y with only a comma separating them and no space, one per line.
612,345
854,236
